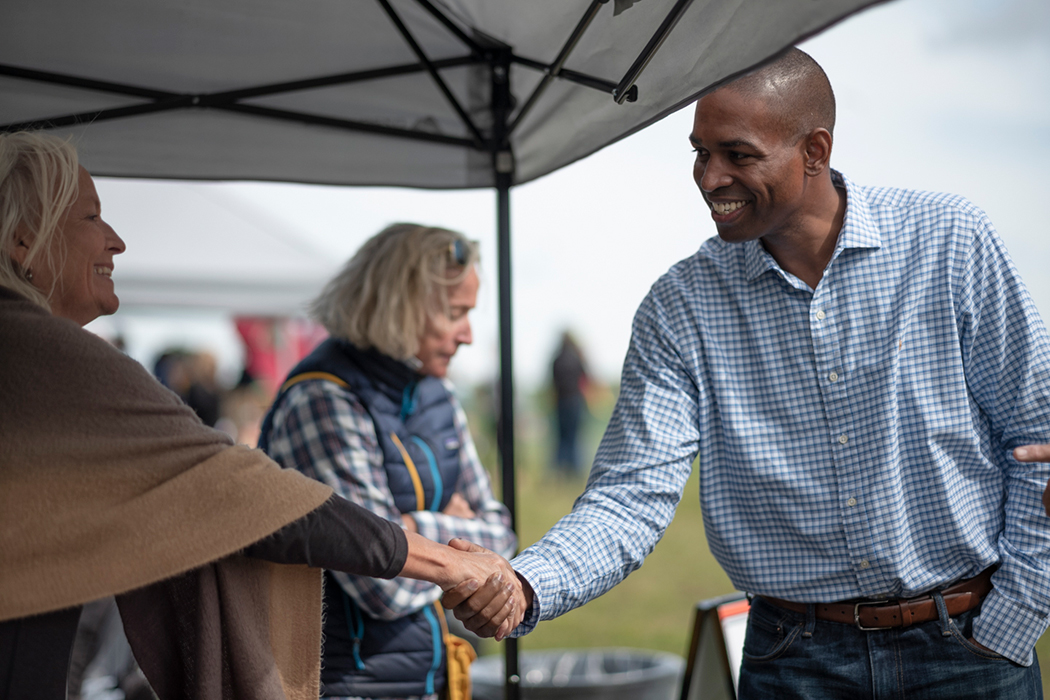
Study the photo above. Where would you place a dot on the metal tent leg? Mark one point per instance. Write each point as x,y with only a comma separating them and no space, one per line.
506,393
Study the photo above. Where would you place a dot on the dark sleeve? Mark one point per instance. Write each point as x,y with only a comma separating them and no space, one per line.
341,536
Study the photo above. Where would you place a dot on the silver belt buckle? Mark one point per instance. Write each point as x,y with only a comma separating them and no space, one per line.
856,615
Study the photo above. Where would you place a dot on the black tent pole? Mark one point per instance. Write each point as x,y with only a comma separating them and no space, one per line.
503,169
506,413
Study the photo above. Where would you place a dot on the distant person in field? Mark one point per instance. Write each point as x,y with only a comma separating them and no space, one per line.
569,379
866,383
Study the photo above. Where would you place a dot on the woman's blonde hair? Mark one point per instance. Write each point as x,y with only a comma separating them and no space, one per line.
39,176
382,297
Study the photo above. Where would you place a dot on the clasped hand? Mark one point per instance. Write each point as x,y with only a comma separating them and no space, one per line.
490,599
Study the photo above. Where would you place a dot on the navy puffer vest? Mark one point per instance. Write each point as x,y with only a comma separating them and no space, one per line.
414,421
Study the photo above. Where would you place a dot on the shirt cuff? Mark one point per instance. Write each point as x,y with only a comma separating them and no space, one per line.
1008,629
541,577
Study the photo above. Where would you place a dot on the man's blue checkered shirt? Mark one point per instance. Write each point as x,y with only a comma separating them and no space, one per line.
853,440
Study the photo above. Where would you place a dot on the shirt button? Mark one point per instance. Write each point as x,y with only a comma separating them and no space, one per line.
851,502
843,439
834,377
820,315
864,564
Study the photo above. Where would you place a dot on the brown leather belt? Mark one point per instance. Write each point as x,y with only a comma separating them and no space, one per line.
904,612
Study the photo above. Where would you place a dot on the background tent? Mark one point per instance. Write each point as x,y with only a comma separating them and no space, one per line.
425,93
211,251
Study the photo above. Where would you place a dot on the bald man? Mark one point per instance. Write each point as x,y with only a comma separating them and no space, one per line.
854,367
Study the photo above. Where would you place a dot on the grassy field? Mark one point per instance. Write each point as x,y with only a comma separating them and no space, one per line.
653,608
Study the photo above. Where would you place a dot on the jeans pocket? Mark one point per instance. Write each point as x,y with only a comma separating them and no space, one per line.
984,654
769,634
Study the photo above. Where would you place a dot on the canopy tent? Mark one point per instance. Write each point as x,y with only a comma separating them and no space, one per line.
419,93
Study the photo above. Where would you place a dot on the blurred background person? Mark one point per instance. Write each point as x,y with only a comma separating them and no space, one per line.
204,395
569,380
111,486
191,375
369,412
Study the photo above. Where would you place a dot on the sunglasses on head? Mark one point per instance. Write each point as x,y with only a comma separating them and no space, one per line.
458,250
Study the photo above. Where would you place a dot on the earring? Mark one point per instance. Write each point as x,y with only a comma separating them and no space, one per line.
29,275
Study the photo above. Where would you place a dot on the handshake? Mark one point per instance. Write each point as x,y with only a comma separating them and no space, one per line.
481,588
491,606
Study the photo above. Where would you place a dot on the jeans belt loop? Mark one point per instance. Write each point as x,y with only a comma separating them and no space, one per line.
943,616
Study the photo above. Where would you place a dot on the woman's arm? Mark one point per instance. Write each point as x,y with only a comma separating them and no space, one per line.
342,536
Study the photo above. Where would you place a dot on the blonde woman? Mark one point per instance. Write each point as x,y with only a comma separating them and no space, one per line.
370,414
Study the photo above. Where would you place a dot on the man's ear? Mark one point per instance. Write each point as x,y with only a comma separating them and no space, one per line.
818,151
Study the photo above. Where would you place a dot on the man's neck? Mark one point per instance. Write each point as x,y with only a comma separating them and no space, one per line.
806,250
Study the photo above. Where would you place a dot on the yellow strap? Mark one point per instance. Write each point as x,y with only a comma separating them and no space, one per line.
416,482
292,381
459,655
441,621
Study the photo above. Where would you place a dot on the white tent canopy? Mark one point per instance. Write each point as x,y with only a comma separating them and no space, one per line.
334,91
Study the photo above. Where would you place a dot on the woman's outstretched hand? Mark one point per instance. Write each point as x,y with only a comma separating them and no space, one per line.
479,584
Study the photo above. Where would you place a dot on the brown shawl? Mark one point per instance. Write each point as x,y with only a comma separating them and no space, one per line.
109,484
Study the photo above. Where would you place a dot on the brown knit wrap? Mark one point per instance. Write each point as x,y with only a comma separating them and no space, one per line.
109,483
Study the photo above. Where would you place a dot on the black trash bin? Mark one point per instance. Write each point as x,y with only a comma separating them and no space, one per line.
584,674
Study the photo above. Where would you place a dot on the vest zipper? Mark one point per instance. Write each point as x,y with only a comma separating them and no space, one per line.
408,401
355,625
435,473
435,633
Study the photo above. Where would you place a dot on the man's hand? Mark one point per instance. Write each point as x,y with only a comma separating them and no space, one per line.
483,610
1036,453
468,568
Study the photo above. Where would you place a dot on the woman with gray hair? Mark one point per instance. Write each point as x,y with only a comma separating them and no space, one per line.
111,486
370,413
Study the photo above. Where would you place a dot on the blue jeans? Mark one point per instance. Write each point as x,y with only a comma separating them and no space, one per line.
793,655
569,413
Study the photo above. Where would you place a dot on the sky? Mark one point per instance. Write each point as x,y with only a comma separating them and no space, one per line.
942,95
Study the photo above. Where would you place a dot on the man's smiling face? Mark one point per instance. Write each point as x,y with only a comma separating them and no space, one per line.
749,167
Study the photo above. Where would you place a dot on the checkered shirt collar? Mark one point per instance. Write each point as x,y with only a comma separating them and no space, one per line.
859,230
